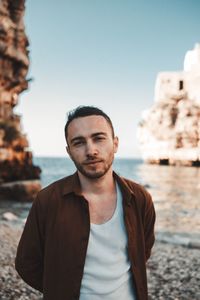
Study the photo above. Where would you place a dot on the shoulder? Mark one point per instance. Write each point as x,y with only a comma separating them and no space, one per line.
140,193
54,190
136,187
53,186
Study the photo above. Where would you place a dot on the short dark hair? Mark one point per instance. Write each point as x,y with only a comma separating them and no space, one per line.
85,111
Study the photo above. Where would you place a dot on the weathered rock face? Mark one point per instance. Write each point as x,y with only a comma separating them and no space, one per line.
15,157
169,133
23,191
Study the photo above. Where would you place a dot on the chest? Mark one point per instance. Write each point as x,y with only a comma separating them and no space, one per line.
102,211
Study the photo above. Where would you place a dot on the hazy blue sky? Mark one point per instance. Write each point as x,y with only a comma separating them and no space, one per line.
105,53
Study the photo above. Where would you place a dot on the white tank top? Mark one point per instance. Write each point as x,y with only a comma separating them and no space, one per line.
107,272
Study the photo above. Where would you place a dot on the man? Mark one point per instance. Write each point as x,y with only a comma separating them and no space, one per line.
88,236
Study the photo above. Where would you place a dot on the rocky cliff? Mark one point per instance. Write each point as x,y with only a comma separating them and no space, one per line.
15,157
169,132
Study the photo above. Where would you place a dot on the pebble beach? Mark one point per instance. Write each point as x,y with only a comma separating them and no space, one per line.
174,267
173,270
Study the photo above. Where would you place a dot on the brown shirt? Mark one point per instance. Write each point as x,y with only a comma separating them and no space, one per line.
52,250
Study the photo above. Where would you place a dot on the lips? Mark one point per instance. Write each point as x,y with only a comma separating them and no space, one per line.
92,162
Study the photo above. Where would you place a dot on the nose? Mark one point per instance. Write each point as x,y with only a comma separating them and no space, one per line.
91,149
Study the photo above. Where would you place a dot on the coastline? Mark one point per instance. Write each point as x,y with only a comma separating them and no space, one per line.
173,269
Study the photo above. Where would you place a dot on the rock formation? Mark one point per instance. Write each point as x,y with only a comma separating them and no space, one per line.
169,132
15,156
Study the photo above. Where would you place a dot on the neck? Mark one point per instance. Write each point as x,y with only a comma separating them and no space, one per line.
97,185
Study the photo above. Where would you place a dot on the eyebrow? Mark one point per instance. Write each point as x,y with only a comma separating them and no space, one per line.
80,137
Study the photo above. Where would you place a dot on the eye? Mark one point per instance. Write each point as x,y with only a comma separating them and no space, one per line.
78,143
99,138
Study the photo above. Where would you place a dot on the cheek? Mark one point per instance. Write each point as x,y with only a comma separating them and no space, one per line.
109,149
76,153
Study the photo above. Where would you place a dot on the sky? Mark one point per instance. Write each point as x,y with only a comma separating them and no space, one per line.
105,53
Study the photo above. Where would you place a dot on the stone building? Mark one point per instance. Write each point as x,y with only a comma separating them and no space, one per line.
169,132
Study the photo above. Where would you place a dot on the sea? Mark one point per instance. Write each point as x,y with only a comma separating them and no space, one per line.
55,168
175,190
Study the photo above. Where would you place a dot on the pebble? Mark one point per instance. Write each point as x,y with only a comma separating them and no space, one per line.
8,216
173,271
11,286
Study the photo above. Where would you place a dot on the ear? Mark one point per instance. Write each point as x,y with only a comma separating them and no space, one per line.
116,143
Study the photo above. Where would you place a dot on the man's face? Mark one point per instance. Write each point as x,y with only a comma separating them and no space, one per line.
91,145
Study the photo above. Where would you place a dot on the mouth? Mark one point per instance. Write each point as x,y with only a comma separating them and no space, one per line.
92,162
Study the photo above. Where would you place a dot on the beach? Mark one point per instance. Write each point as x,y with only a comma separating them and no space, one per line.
173,269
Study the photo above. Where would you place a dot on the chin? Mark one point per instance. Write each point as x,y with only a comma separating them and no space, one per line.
93,175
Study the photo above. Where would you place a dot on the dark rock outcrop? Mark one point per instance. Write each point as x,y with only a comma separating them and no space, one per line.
15,156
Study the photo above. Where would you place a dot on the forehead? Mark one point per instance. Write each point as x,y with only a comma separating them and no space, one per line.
88,125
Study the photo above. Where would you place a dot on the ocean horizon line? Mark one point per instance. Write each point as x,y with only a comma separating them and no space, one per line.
66,157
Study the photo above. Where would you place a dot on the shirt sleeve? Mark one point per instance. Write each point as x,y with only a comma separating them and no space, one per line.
29,258
149,222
